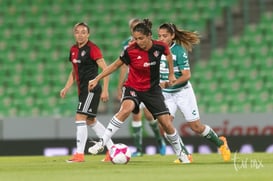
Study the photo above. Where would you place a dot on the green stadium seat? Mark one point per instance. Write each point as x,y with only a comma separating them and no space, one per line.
44,31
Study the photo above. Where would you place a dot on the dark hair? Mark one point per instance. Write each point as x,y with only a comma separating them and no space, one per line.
144,27
82,24
182,37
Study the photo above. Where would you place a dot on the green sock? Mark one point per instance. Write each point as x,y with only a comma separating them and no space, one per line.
137,135
154,125
212,136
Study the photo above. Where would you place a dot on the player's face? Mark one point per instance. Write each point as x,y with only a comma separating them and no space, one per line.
143,41
81,34
165,36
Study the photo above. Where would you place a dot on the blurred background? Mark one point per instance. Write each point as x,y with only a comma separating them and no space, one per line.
232,69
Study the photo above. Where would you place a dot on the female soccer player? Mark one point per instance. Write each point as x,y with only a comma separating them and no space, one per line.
142,85
86,57
137,118
180,94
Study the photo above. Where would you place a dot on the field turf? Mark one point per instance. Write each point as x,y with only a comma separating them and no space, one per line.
205,167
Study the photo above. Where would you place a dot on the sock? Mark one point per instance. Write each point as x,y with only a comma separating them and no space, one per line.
209,134
137,134
154,125
81,136
177,143
113,126
99,130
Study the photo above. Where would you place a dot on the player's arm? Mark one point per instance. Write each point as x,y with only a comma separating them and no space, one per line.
68,84
107,71
186,75
122,75
105,94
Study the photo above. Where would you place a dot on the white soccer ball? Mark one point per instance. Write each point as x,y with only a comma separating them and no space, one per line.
120,154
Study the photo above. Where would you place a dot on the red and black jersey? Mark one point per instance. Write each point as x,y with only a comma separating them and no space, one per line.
84,63
144,65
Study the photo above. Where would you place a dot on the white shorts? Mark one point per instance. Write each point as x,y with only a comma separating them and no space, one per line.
185,100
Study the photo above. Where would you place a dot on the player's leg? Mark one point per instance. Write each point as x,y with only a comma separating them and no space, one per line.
172,106
81,138
99,129
137,133
188,106
156,130
173,137
154,101
129,104
83,111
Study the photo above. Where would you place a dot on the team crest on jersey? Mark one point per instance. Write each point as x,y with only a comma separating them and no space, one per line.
83,53
156,53
133,93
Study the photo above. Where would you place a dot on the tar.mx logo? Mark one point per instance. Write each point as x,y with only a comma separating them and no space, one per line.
246,163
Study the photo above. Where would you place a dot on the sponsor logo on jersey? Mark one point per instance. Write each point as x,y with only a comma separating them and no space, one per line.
76,61
148,64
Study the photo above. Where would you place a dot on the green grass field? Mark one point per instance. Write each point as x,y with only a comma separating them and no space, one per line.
248,167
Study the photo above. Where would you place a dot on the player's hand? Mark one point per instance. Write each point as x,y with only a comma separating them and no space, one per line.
92,84
172,79
104,96
164,85
63,92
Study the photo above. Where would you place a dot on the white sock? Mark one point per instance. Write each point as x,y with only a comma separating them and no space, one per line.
206,131
111,129
154,121
99,129
175,141
81,136
136,123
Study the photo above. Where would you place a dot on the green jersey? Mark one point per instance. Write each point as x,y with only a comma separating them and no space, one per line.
180,62
125,43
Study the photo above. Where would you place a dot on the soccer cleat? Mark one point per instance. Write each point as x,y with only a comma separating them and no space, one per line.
107,157
184,158
224,149
78,157
162,148
136,154
96,148
178,161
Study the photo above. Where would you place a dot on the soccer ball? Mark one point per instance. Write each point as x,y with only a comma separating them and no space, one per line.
120,154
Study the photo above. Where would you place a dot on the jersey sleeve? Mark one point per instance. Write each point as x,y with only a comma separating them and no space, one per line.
124,57
166,49
95,52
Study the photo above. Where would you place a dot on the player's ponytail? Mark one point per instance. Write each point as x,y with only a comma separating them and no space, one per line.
182,37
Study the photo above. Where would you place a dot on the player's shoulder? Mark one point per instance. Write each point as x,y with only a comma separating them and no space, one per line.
177,47
91,44
73,47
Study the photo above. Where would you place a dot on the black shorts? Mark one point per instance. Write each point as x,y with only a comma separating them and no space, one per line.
152,99
89,102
